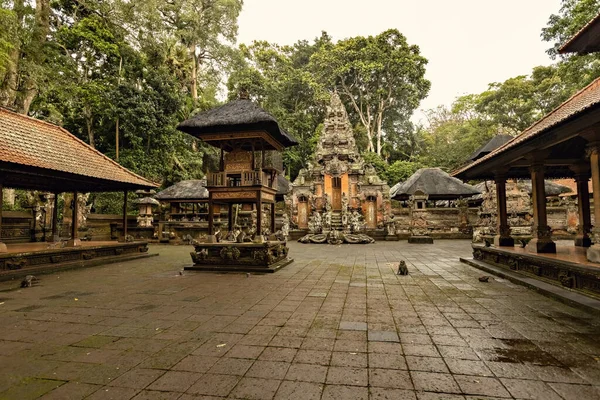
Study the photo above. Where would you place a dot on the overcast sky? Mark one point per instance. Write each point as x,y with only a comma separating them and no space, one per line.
469,43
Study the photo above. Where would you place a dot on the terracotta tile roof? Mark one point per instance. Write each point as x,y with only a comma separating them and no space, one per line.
585,41
33,143
578,103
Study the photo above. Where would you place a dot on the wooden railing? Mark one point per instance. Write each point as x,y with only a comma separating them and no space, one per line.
245,178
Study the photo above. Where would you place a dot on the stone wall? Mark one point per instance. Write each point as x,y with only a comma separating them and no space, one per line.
442,223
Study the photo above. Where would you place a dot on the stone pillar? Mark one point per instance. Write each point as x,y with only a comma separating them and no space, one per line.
125,216
582,177
3,248
272,218
230,217
502,237
74,241
593,252
259,210
55,237
542,234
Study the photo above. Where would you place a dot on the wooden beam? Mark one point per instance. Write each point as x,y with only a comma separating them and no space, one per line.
125,215
2,245
74,216
55,218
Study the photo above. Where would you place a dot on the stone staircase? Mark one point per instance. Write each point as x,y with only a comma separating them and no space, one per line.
336,220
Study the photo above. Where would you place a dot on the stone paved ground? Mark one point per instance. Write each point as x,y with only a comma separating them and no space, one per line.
335,324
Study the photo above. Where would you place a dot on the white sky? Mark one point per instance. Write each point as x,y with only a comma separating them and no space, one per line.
469,43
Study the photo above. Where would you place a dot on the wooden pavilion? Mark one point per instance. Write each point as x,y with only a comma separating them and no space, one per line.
563,144
250,142
37,155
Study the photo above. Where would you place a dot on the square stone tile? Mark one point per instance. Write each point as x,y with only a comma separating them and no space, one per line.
434,382
349,359
199,364
174,381
355,346
71,390
571,391
529,389
307,373
353,326
378,393
423,350
440,396
385,347
426,364
137,378
382,336
255,389
214,385
319,357
337,392
299,390
244,351
286,341
461,353
315,343
268,369
390,378
347,376
156,395
278,354
113,393
483,386
386,361
468,367
231,366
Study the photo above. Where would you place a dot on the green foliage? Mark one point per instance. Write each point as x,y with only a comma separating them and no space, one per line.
400,171
573,15
381,77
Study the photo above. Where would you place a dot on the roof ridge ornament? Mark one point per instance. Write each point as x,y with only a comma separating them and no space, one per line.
244,94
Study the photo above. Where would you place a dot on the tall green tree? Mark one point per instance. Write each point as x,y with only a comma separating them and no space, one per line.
382,77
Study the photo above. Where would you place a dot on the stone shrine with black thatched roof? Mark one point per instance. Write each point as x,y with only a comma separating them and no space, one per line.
250,142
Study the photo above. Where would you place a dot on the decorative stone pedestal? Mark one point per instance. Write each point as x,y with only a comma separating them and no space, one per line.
420,240
74,243
537,245
502,241
240,257
3,248
593,253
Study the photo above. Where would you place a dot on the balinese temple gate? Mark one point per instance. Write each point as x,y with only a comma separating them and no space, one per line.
339,197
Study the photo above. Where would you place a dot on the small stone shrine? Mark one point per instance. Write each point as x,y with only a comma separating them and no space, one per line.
338,198
250,143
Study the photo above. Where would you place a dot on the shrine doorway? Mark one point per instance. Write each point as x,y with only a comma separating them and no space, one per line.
371,214
336,193
303,212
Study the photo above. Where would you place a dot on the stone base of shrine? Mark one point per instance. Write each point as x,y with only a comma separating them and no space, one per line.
420,240
38,258
567,268
240,257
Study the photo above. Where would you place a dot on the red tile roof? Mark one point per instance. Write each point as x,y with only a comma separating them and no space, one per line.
586,40
577,104
33,143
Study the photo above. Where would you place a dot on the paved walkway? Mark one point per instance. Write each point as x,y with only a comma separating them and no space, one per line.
336,324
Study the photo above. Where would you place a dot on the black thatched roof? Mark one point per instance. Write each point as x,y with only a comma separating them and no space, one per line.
238,115
147,200
550,188
283,187
194,189
433,182
490,146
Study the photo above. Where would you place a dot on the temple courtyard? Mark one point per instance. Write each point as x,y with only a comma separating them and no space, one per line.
337,323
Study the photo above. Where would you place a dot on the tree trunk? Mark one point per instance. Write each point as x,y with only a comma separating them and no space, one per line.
8,90
30,87
117,122
87,112
194,74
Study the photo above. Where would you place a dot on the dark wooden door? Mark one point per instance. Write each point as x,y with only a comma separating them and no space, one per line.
336,194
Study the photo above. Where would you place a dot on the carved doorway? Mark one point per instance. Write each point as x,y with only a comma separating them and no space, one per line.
303,212
371,214
336,193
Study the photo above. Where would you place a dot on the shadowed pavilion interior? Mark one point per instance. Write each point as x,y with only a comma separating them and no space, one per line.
36,155
565,144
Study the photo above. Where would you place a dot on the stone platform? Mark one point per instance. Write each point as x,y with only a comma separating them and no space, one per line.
240,257
35,258
567,268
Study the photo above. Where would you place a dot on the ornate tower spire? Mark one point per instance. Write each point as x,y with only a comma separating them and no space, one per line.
337,139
